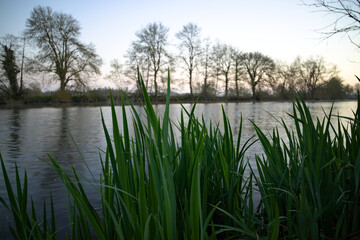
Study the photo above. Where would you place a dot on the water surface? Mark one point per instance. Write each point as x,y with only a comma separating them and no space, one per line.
29,136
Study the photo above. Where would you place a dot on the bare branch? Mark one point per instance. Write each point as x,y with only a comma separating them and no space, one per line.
347,14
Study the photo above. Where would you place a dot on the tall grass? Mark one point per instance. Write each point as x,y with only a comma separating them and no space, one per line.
310,185
26,224
154,185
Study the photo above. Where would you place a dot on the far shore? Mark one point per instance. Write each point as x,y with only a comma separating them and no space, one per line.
136,100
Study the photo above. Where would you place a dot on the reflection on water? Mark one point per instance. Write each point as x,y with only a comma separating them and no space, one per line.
28,136
14,138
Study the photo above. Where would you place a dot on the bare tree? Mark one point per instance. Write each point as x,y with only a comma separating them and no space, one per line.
236,56
221,62
152,41
215,62
137,62
258,68
190,49
60,51
313,73
286,76
205,64
226,62
347,14
117,75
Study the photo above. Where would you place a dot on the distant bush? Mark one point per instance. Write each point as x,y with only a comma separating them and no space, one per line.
61,97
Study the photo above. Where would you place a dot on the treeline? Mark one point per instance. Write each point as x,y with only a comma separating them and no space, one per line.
219,69
49,50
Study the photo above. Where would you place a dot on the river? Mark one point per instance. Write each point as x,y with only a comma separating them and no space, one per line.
29,135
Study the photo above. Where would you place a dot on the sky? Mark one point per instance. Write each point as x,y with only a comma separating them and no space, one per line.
281,29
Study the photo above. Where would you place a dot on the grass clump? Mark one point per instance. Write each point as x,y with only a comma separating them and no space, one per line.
157,186
26,224
309,184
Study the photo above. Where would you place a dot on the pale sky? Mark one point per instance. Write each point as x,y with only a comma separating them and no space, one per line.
281,29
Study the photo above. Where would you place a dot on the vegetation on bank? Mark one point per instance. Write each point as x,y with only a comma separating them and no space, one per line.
201,186
333,90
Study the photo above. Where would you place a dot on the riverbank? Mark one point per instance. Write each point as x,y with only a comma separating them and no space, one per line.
104,100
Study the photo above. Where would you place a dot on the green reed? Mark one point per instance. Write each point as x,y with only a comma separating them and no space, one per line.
26,224
310,185
155,185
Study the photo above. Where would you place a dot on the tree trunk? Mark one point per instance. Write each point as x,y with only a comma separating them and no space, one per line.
205,79
216,83
190,83
155,84
253,88
62,84
61,72
147,76
312,93
226,84
237,87
205,87
22,67
236,80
